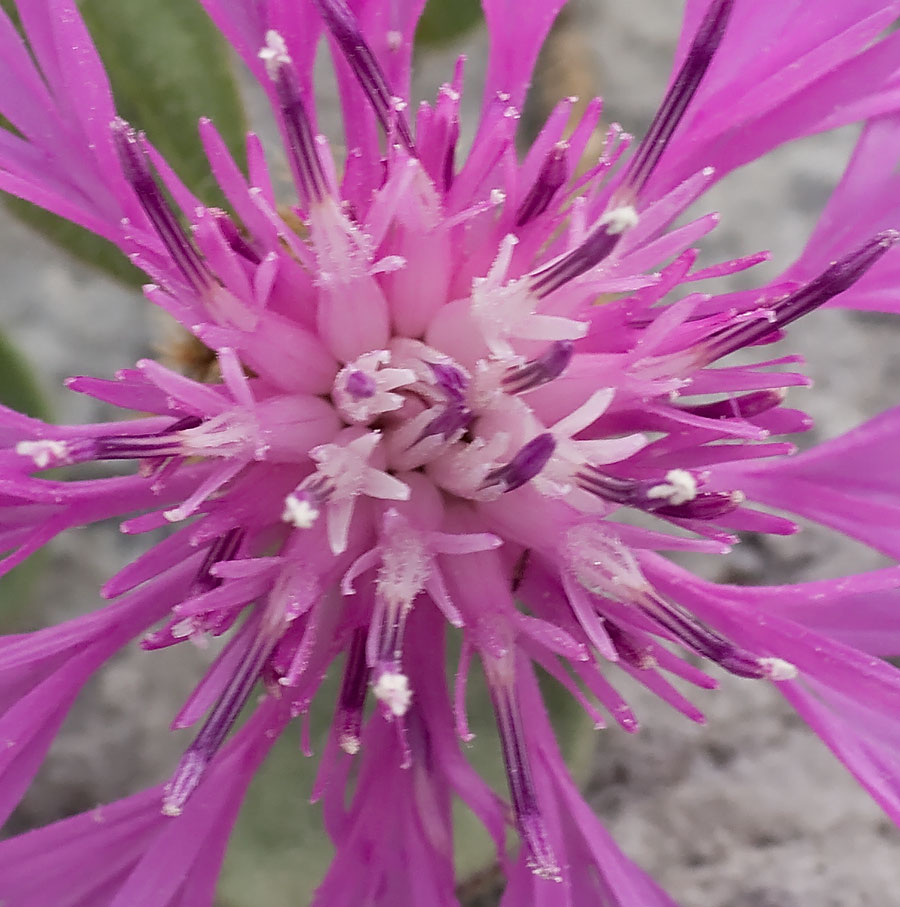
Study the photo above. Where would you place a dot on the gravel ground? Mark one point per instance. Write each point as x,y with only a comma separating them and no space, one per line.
748,811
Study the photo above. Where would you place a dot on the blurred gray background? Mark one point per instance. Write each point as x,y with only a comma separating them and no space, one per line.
749,811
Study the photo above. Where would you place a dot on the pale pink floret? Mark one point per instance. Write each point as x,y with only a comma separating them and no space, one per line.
425,425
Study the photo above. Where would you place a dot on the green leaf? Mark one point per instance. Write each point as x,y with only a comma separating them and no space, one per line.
17,593
445,20
168,66
19,390
18,387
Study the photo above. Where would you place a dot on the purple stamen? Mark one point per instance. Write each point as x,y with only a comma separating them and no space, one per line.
345,29
223,549
702,50
744,407
450,380
841,276
386,636
524,466
580,260
708,505
301,144
352,699
315,490
455,415
523,378
449,168
360,385
628,647
529,820
701,639
138,447
305,503
553,174
234,238
224,713
135,448
136,168
451,419
159,445
182,424
705,505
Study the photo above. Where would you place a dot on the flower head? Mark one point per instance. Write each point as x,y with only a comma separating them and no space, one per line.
442,397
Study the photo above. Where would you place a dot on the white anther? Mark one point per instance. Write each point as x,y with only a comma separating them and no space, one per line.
43,453
275,53
300,513
777,669
620,219
679,488
393,690
183,628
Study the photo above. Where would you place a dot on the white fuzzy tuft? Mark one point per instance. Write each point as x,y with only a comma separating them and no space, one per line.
393,690
679,488
777,669
275,53
43,452
301,514
620,219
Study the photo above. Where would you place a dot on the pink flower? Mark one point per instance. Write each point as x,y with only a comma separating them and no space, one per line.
424,425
